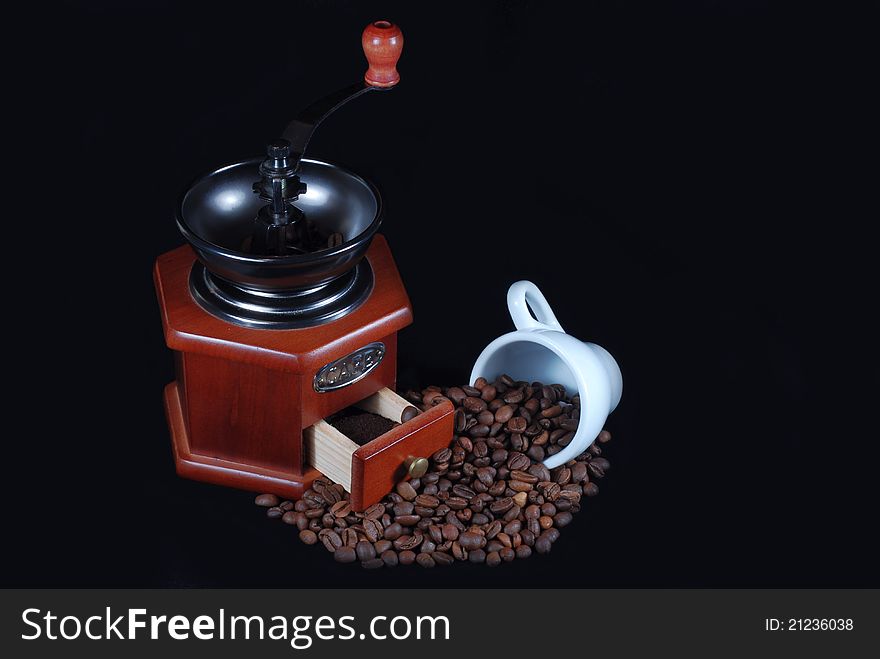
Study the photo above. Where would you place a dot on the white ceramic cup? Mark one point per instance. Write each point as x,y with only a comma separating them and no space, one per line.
540,350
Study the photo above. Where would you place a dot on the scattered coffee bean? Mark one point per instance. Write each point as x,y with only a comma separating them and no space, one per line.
487,498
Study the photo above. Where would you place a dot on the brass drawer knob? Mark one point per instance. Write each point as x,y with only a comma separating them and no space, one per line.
416,467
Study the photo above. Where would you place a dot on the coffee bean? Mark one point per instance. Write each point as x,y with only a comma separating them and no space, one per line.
390,558
470,540
474,405
450,532
591,489
275,512
382,545
266,500
340,509
425,560
331,539
409,413
408,542
459,420
308,537
514,396
365,551
562,519
517,424
543,545
507,554
406,490
477,556
520,499
427,501
406,557
290,517
501,505
349,537
345,554
440,457
407,520
373,529
375,511
604,436
493,559
442,559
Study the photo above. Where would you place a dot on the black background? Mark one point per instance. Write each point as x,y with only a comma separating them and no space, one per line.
678,178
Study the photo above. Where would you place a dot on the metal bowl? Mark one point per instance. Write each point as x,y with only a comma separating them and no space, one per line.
217,212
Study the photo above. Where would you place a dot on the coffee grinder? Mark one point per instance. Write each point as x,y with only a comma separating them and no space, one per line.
283,309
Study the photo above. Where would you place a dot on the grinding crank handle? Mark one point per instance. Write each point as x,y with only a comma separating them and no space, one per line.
382,43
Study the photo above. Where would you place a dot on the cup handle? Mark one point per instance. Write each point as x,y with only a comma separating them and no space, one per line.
522,292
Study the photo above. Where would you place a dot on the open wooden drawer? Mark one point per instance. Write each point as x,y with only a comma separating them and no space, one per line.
370,471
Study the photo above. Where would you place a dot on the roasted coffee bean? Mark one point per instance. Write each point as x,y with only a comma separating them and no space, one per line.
523,551
552,412
425,560
408,542
543,545
569,424
373,564
455,394
563,476
373,529
513,396
501,505
497,488
275,512
442,559
519,486
479,519
406,557
427,501
470,540
604,436
308,537
562,519
517,424
340,509
441,456
471,391
331,539
457,503
463,491
591,489
507,554
382,545
345,554
349,537
512,527
407,520
504,413
489,392
450,532
365,550
522,476
266,500
403,508
406,490
474,405
493,559
290,517
390,558
520,499
486,417
394,531
428,545
459,420
536,453
486,475
579,472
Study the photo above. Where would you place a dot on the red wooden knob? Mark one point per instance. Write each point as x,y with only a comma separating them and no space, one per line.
383,43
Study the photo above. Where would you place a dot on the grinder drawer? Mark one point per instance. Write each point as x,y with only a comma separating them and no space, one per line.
370,471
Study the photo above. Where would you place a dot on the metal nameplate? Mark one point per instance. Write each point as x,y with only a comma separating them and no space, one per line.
349,369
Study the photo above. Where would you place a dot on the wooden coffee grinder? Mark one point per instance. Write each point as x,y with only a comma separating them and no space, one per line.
283,309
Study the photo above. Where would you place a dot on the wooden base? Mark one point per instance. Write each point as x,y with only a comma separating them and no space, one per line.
289,485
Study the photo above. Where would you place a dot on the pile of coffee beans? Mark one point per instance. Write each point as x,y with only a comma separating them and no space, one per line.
488,498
